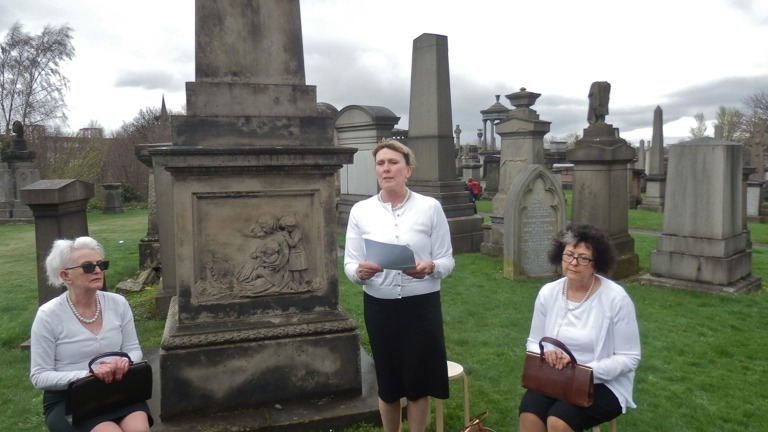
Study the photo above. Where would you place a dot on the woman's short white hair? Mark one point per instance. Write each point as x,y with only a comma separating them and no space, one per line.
60,256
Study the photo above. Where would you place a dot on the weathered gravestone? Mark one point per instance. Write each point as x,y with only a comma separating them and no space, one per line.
535,212
601,159
703,245
248,226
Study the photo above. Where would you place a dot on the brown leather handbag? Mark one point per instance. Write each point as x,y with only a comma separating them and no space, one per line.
89,396
572,384
476,424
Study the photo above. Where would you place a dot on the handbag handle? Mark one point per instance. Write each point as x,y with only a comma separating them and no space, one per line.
108,354
558,344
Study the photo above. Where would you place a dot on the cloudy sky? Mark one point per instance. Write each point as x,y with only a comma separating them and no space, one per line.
686,56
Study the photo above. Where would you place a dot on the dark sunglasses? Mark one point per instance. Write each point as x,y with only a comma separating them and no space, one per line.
91,267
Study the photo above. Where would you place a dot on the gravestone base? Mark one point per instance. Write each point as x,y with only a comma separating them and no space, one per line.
747,285
701,269
493,242
330,413
627,261
654,194
214,367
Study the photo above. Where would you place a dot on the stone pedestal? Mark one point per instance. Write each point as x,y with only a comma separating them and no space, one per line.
491,175
149,245
704,253
754,203
601,160
59,208
522,144
17,171
246,198
113,202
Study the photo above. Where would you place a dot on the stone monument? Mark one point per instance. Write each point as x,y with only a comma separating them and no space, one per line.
600,160
755,207
255,338
361,127
17,171
430,136
704,253
535,212
522,144
656,177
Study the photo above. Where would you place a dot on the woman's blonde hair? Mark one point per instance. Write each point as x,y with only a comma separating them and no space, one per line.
396,146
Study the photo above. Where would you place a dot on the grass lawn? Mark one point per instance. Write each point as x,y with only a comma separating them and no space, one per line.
703,366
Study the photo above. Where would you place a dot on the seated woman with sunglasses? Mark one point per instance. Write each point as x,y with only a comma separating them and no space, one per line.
595,318
72,328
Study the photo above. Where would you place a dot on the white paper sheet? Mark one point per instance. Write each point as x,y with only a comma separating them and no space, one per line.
389,256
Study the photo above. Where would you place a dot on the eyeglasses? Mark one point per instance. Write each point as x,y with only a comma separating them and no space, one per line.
91,267
568,258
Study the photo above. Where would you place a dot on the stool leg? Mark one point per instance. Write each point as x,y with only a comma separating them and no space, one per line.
612,426
466,397
439,415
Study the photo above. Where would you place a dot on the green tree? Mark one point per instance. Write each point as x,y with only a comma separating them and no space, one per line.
32,86
700,130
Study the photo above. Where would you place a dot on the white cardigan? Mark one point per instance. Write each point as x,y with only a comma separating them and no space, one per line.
602,333
61,346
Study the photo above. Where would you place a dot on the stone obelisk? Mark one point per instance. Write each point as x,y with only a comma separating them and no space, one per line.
430,136
656,178
247,217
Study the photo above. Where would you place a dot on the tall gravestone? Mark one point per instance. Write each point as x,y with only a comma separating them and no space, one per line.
755,209
248,224
535,212
522,144
430,136
600,160
361,127
656,177
704,253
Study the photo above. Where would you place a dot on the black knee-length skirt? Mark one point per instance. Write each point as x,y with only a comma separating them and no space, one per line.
408,346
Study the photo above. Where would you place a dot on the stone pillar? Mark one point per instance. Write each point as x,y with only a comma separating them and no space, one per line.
58,207
522,144
17,171
149,245
601,159
248,184
360,127
656,177
704,253
430,137
113,202
491,175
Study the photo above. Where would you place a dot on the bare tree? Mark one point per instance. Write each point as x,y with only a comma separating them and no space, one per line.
32,86
733,124
700,130
756,109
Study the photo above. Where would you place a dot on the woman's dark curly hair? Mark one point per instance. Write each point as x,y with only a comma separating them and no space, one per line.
603,254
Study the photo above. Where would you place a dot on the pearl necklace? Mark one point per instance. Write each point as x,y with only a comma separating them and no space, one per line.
399,206
578,305
80,317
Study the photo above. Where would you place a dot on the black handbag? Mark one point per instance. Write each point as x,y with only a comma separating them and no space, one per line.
89,396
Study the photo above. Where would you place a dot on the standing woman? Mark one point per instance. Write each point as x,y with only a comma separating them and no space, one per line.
72,328
595,318
402,309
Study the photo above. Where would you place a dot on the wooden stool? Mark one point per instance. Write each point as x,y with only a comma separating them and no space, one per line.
455,371
612,427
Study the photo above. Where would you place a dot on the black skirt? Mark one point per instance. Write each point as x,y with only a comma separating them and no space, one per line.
408,346
54,404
